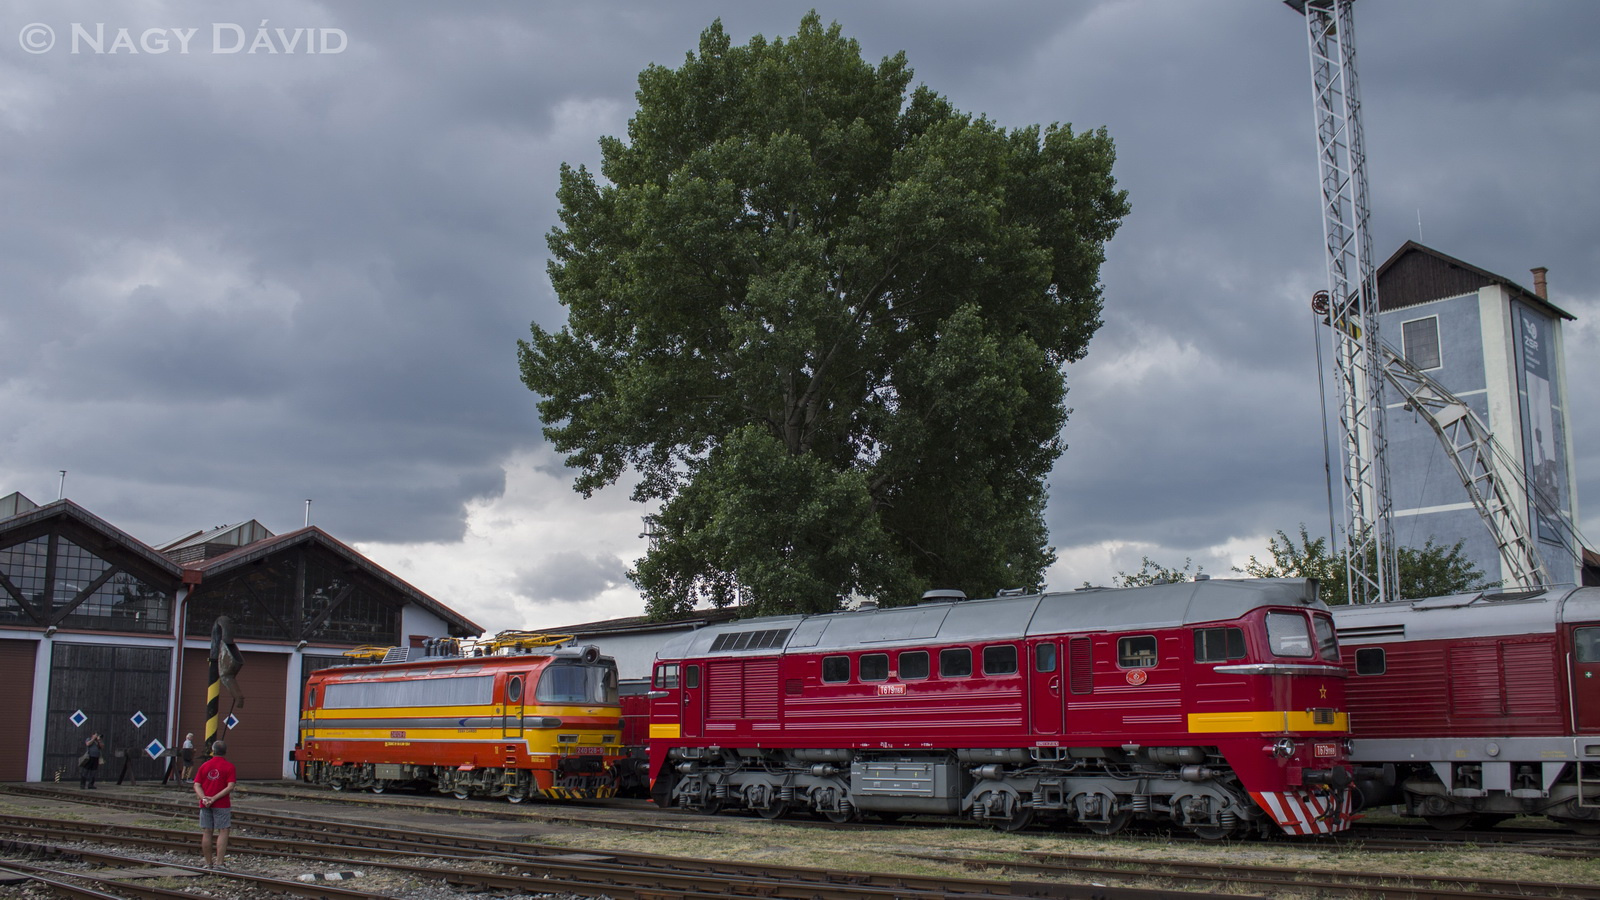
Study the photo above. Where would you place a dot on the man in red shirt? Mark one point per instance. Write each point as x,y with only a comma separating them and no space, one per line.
212,785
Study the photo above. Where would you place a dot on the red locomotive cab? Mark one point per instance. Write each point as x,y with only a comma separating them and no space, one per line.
1271,688
666,718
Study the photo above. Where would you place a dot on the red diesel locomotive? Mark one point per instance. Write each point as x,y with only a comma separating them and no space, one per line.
1485,706
1216,706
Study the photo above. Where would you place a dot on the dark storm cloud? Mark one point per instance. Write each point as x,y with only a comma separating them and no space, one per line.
235,282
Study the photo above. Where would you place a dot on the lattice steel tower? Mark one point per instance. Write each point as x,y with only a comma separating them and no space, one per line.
1351,305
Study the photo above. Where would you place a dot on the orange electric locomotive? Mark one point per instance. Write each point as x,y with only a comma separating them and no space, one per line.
525,720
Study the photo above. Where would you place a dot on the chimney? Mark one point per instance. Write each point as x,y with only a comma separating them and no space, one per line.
1538,283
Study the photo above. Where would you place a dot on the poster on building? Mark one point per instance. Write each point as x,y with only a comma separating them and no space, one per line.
1539,411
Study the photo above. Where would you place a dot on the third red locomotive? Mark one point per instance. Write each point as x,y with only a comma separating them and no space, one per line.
1215,706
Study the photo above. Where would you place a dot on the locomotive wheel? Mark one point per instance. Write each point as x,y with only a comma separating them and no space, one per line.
336,785
462,793
378,786
1021,817
838,816
1117,822
1210,832
1450,822
774,810
516,798
711,807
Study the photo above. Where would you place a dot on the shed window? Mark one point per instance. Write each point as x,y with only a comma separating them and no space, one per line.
667,676
1136,652
1370,661
874,667
955,662
1288,635
913,665
1044,658
1001,659
835,669
1421,337
1218,644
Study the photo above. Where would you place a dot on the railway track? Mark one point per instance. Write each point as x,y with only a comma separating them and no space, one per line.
473,862
528,868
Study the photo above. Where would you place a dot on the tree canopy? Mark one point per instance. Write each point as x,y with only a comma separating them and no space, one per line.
1427,571
825,318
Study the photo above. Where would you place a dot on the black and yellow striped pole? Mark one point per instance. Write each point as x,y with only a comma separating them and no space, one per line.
213,692
223,664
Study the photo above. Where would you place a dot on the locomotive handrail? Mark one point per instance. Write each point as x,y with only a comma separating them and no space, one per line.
523,640
1332,671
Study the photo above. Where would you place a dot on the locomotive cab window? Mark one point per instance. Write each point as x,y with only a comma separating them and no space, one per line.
835,669
1044,658
514,689
874,667
691,676
311,696
913,665
1370,661
1001,659
1586,644
1327,642
573,683
1218,644
667,676
1136,652
1288,635
955,662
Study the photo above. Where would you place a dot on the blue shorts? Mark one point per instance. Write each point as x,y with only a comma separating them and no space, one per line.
216,819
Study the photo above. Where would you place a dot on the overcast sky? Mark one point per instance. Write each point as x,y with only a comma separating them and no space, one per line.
233,281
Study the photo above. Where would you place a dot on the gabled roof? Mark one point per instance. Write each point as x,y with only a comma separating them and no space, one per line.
1418,274
114,538
312,535
239,535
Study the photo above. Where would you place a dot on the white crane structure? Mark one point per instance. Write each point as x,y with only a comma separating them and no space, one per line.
1352,301
1363,363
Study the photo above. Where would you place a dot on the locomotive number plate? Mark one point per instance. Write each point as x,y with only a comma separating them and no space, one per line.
886,689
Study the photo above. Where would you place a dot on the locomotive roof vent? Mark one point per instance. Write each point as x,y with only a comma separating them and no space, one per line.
945,595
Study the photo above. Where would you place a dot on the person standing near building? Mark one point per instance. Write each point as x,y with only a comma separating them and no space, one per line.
89,764
212,786
186,774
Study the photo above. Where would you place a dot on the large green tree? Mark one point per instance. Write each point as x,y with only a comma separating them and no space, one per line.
825,318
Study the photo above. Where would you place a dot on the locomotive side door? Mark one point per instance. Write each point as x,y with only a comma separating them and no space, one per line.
1046,696
693,703
516,689
1585,660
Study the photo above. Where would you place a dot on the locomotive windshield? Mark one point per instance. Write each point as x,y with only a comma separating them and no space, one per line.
577,682
1288,634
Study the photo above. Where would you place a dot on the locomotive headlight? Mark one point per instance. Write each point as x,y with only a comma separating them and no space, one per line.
1284,748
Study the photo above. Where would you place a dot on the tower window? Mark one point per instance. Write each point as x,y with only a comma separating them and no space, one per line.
1421,338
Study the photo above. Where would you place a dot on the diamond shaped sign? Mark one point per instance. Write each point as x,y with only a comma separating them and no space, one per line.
232,721
154,749
138,719
78,718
